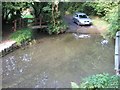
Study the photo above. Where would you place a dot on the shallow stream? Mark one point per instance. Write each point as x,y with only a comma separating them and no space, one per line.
55,61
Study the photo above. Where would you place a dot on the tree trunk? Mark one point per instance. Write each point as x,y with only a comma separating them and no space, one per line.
53,17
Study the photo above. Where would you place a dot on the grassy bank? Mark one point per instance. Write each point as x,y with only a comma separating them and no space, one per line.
102,25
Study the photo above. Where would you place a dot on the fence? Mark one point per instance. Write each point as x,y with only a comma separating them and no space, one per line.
27,22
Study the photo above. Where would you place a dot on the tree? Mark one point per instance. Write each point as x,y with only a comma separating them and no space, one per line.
38,8
12,10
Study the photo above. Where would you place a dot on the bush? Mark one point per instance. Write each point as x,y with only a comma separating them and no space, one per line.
22,35
113,18
60,27
98,81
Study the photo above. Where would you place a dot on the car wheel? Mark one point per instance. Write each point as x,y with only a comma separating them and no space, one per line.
78,23
73,20
91,24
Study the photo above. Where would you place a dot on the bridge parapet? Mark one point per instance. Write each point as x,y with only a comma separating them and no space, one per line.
117,53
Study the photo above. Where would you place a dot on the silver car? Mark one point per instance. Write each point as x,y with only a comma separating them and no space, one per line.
81,19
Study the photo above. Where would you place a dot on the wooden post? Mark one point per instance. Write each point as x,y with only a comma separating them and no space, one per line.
20,23
24,22
35,22
15,26
40,22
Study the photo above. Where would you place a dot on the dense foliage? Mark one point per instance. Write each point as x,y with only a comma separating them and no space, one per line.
98,81
113,18
22,35
54,18
59,28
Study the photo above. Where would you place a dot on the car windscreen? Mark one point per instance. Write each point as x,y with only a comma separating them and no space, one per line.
82,16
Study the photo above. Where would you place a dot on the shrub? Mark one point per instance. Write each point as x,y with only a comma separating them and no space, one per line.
58,28
113,18
98,81
22,35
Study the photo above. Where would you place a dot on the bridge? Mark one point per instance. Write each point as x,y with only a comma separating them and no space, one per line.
33,23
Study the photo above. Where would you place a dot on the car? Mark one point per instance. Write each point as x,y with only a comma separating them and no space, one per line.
81,19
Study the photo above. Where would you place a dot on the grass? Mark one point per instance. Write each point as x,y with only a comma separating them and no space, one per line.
102,25
99,22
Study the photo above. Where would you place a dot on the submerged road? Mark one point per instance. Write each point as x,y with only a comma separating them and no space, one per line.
73,27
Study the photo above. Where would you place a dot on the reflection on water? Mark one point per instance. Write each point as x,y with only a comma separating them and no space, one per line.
26,58
55,61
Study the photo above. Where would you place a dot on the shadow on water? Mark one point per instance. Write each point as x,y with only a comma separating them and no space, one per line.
55,61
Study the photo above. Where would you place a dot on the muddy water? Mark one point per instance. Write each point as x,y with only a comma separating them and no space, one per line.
56,61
